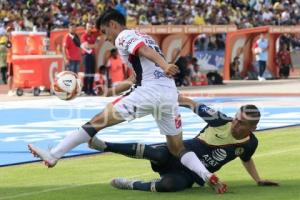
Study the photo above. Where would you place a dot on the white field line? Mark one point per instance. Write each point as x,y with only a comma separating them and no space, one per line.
275,152
63,188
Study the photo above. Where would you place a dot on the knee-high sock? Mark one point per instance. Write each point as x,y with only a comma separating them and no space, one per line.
129,149
143,186
192,162
72,140
136,150
170,184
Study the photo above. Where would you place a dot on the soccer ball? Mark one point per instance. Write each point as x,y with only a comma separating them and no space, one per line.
66,85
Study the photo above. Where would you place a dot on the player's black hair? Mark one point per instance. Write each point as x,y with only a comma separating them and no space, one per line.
114,50
252,113
102,69
108,15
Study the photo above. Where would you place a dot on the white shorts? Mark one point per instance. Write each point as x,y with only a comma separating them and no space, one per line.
159,101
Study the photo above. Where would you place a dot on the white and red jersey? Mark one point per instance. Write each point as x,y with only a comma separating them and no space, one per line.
147,72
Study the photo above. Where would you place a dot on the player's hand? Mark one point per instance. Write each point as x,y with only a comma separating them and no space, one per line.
171,70
186,102
267,183
100,90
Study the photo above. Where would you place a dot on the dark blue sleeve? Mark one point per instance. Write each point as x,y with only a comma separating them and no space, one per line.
249,151
212,117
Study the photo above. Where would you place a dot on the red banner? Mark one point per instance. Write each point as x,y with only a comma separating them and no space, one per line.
35,70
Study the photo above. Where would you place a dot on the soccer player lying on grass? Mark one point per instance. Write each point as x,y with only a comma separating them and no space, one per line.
221,141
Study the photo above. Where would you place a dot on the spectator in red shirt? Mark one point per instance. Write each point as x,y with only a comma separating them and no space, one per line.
116,68
71,50
284,61
88,42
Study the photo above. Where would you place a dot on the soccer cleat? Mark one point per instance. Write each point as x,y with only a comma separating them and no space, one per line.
97,144
46,157
122,183
217,185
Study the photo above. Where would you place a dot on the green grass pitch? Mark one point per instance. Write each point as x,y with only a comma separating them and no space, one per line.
86,178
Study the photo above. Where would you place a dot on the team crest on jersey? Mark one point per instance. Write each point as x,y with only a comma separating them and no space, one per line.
209,110
239,151
157,74
219,154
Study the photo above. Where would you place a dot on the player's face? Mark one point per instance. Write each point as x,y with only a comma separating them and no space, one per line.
241,127
110,30
106,31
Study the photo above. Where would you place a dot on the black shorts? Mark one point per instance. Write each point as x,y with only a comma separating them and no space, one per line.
284,70
174,166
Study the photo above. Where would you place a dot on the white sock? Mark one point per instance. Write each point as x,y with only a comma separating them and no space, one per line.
192,162
72,140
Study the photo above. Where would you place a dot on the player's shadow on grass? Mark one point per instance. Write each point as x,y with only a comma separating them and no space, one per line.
244,190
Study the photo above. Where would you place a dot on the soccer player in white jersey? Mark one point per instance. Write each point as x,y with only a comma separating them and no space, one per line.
155,94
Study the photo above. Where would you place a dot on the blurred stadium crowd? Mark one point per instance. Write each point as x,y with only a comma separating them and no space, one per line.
49,14
46,15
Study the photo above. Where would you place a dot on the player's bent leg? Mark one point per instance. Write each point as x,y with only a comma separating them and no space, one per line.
109,117
175,144
170,125
122,183
218,186
157,154
106,118
187,158
51,157
47,158
97,144
171,182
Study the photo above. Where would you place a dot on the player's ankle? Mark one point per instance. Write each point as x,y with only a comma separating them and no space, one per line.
213,179
97,144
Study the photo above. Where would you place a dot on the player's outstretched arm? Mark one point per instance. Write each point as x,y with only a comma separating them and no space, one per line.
151,54
121,87
251,169
186,102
